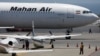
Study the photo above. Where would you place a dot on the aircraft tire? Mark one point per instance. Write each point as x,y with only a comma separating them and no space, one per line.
68,37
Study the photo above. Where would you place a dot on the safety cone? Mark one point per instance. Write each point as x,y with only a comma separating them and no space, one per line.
89,46
67,44
96,49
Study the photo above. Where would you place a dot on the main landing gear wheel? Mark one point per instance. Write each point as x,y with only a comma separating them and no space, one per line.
51,42
68,33
68,37
52,46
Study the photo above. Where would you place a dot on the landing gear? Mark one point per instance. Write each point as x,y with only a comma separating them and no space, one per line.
51,42
52,46
68,37
68,31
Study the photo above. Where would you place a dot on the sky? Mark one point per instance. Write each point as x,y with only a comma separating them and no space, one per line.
93,5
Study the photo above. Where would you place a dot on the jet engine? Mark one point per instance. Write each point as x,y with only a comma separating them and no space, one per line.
10,41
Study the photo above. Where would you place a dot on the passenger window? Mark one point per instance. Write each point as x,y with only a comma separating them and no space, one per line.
86,12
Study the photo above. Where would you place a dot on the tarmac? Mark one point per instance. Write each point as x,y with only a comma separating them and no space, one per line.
60,45
71,51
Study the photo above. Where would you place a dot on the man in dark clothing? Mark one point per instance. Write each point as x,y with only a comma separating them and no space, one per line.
90,31
27,44
81,48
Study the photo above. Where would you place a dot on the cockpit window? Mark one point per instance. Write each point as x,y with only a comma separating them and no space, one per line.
86,12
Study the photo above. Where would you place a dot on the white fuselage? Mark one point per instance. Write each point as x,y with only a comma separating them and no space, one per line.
5,46
44,15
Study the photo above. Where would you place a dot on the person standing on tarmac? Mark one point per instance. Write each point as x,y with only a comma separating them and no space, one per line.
82,48
90,31
27,44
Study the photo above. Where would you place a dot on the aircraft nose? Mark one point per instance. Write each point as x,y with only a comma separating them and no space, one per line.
95,16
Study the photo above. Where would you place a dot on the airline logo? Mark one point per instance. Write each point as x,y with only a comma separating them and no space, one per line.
42,9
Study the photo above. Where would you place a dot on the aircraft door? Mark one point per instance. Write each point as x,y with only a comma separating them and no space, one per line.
70,13
69,17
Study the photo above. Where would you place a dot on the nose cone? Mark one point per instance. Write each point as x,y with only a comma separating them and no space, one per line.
95,16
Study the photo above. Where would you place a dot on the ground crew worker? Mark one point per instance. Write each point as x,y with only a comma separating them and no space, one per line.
90,31
27,44
81,48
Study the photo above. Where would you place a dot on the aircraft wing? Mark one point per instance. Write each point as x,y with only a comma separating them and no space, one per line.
15,36
39,37
27,51
54,36
63,36
7,27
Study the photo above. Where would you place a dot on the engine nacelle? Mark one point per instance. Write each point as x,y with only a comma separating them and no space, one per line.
10,41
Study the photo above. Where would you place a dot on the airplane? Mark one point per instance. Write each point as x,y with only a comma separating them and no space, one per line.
36,38
7,47
39,38
45,15
8,43
97,23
